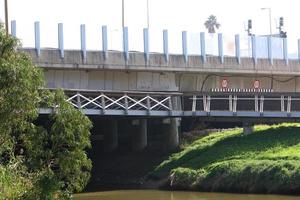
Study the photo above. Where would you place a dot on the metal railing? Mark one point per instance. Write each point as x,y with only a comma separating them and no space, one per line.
122,103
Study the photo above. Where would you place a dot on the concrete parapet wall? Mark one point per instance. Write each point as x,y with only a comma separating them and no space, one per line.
114,72
73,59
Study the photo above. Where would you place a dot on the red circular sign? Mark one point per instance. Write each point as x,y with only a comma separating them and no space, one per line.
256,84
224,83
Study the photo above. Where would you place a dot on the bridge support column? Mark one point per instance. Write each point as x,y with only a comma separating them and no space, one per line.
139,139
171,134
247,128
111,135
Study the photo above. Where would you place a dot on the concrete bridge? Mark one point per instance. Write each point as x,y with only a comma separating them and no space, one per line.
141,86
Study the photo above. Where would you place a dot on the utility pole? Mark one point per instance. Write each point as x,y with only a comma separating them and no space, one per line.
6,17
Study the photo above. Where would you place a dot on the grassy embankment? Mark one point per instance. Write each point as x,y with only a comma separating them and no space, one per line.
267,161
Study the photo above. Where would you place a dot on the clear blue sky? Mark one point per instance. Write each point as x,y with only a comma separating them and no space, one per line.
175,15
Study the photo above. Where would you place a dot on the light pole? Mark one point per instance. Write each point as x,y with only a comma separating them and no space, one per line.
148,14
123,14
6,16
270,18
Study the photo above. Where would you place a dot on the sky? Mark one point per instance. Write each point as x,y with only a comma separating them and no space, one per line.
174,15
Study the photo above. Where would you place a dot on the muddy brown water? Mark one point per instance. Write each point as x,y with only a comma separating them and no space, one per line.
177,195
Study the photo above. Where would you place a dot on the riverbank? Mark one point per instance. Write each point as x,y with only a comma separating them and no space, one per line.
267,161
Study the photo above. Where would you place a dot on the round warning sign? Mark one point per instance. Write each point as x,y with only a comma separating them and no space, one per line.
256,84
224,83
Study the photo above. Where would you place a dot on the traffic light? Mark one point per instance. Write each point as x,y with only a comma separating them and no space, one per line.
249,24
281,21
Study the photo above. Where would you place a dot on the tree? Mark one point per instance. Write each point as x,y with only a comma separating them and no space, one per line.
50,155
211,24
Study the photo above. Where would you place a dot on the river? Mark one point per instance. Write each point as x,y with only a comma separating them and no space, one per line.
178,195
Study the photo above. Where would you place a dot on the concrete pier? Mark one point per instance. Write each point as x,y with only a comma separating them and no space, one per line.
139,136
111,135
247,128
171,134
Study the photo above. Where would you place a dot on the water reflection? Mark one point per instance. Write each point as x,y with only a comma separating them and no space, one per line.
168,195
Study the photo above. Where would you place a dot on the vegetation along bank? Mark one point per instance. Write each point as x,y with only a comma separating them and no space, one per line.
267,161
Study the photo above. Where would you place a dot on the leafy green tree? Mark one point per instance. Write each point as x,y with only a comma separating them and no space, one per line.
52,154
211,24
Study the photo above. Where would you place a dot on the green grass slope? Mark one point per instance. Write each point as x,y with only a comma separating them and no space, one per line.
267,161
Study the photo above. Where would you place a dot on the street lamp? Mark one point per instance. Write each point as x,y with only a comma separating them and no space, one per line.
123,14
148,14
270,18
6,17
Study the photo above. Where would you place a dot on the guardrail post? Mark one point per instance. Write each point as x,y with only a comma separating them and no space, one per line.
125,43
285,51
203,50
146,43
148,105
61,39
194,104
237,48
126,104
184,46
234,104
37,38
170,105
230,102
220,47
289,104
204,102
13,25
208,104
254,52
256,103
282,103
299,49
270,45
166,45
104,41
261,107
83,40
78,101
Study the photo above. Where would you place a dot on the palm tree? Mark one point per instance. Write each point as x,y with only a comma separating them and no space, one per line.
211,24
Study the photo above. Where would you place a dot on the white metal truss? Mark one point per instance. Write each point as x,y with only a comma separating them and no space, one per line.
121,102
208,104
